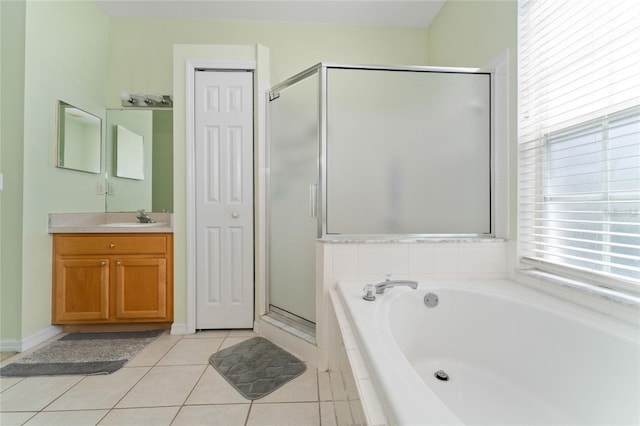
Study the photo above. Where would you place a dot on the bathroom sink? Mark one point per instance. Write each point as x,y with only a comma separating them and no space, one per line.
132,224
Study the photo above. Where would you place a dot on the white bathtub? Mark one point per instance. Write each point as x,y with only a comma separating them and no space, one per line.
513,356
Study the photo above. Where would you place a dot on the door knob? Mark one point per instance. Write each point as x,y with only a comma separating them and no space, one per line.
235,214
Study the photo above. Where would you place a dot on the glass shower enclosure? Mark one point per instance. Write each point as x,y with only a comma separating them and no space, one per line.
362,152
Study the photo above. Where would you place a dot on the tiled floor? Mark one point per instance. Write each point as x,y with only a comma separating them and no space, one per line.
170,382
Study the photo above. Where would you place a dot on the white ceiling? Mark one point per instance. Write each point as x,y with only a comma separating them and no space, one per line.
402,13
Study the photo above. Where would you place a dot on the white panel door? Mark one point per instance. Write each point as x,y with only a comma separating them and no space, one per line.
224,199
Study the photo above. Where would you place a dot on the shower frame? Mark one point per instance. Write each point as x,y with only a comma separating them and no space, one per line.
321,69
321,200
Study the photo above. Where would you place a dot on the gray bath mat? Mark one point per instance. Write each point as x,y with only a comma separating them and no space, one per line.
82,353
256,367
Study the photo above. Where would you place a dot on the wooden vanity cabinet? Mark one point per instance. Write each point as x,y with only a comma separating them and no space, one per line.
112,278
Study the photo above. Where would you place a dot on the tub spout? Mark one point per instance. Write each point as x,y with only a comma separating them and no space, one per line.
381,287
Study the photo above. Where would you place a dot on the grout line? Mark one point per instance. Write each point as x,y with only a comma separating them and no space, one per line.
246,420
177,414
143,376
60,396
195,385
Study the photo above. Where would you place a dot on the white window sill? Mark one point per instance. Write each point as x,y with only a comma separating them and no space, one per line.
592,290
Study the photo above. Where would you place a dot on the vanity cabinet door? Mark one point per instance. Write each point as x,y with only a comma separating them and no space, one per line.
110,279
141,288
82,289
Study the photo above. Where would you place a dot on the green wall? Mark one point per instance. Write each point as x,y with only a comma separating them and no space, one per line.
472,34
162,197
73,52
141,49
12,46
147,65
59,52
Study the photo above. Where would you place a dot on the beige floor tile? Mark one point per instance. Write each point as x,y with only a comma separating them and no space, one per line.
242,333
206,334
6,355
154,351
150,390
67,418
163,386
230,341
158,416
35,393
327,414
191,352
294,414
302,388
343,412
324,386
96,392
7,382
16,419
212,388
204,415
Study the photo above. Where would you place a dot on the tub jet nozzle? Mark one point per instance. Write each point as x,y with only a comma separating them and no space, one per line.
441,375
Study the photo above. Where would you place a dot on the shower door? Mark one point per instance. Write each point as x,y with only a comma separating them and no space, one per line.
292,206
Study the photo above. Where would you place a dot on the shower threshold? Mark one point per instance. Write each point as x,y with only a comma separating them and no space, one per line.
291,323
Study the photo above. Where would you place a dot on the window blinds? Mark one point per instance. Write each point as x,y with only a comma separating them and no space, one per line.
579,137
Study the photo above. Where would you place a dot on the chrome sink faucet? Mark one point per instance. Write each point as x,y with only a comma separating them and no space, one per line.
388,283
143,217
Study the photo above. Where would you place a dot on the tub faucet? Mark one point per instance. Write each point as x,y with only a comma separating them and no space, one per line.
143,217
387,283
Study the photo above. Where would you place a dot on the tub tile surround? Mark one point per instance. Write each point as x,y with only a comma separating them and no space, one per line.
421,260
94,222
346,384
354,393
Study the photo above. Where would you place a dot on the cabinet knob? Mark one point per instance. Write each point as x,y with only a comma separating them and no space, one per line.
118,263
112,245
103,262
235,215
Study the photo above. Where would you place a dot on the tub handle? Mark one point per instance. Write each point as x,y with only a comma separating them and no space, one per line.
369,292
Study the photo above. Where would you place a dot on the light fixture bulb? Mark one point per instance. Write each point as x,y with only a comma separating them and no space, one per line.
126,97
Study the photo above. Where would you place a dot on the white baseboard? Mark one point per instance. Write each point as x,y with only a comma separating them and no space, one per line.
10,345
16,345
179,329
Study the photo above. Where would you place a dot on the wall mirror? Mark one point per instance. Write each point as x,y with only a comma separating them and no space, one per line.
79,139
139,160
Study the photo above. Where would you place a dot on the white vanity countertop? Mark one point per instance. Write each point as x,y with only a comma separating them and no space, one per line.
106,223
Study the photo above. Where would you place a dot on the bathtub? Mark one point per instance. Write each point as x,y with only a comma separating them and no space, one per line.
512,356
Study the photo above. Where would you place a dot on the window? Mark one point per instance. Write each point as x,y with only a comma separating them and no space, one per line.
579,139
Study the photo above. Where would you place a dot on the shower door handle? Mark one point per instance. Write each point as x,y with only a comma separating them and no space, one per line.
313,200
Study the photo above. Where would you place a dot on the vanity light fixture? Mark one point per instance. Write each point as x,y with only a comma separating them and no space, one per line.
143,100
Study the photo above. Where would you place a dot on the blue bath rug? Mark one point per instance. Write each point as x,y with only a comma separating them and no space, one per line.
82,354
256,367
